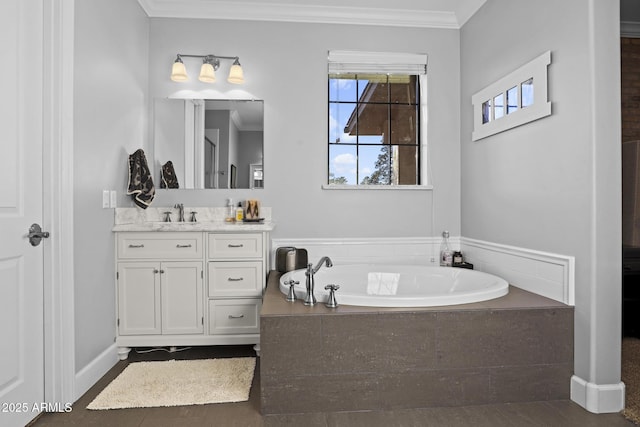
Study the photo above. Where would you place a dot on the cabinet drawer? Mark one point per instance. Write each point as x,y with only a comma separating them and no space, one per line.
159,245
234,316
234,246
235,278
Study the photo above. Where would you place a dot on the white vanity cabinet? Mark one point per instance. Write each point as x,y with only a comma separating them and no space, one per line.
160,293
160,298
187,288
236,276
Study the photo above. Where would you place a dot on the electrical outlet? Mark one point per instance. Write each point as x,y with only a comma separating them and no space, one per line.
105,199
113,199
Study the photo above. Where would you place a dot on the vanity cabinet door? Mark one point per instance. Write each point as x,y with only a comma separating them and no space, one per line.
182,297
139,298
160,298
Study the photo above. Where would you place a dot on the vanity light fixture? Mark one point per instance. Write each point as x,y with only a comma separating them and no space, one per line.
235,73
178,71
210,63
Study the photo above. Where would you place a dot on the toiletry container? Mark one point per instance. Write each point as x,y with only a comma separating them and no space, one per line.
239,213
231,211
457,258
446,254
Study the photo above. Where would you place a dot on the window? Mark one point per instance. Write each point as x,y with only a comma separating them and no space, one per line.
374,121
514,100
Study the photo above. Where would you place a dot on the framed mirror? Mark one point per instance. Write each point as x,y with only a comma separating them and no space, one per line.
197,141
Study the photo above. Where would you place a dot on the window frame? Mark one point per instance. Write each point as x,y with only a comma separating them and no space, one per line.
486,124
356,62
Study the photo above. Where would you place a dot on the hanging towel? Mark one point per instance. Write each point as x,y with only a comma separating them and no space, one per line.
168,175
140,181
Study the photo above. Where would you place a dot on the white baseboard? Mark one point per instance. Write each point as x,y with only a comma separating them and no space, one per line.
90,374
598,398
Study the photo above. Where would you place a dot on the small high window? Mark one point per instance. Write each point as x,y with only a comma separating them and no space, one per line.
514,100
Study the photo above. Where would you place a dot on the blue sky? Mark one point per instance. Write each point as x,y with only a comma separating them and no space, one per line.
344,160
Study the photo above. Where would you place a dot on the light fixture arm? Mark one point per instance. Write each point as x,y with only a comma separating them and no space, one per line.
210,58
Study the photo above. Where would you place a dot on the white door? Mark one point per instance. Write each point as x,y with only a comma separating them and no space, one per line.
21,264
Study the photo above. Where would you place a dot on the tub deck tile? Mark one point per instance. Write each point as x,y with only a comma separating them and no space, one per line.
505,337
517,348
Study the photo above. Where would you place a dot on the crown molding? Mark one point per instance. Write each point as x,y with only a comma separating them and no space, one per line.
291,12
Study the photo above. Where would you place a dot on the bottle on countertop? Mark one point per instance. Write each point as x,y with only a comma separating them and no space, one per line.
239,213
446,254
231,211
457,258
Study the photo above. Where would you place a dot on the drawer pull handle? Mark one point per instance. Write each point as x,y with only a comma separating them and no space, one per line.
183,246
233,279
235,246
231,316
137,246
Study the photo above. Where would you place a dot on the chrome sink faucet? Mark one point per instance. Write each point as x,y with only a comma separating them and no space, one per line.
310,298
180,208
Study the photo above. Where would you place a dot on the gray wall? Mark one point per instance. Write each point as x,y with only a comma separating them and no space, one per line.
110,121
551,185
554,184
285,64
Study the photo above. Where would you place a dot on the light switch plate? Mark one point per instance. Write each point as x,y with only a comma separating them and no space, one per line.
105,199
113,199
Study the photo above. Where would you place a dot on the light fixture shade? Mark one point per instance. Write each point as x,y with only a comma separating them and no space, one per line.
178,71
207,74
236,75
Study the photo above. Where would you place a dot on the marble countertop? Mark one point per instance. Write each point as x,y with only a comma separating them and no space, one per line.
208,219
195,226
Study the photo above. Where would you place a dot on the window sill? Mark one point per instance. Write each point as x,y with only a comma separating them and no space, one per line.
377,187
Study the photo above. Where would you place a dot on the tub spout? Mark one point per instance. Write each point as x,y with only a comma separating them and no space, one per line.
324,260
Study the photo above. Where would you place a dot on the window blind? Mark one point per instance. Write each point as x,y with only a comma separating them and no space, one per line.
344,61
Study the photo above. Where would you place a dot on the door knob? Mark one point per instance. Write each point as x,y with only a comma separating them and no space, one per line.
36,234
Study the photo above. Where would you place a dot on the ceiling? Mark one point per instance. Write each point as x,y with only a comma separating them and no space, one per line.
404,13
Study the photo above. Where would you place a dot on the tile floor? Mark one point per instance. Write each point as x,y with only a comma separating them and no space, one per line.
247,414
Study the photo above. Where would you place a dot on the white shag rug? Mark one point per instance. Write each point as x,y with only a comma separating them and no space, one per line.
178,383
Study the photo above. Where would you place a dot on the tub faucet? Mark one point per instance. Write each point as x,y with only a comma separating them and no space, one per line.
180,208
310,298
324,260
